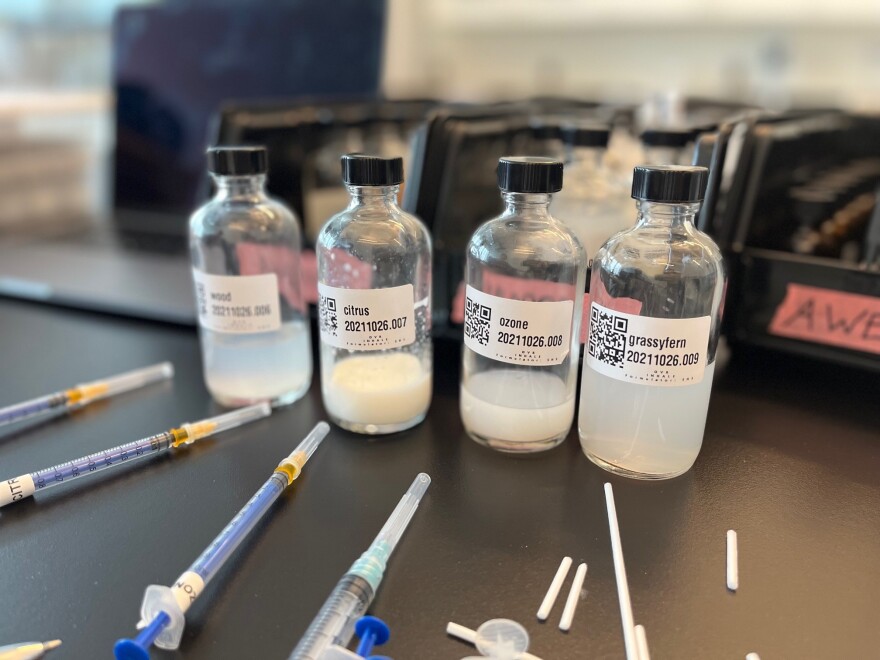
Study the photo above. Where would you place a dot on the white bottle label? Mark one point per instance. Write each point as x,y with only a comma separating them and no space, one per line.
517,331
645,350
187,589
16,489
366,319
238,304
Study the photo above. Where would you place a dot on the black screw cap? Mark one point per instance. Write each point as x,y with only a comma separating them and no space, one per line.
669,183
363,170
238,161
522,174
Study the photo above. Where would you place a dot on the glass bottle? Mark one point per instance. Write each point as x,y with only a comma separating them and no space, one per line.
374,304
245,251
655,312
593,203
524,276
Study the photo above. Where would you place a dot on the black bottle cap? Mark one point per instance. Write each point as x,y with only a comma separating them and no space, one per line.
363,170
238,161
586,136
667,137
523,174
669,183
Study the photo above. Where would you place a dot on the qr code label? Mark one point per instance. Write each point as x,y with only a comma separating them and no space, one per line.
202,299
607,342
366,319
477,321
327,319
522,332
646,350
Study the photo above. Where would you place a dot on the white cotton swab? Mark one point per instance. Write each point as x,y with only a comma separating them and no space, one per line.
732,561
573,595
553,591
470,636
642,643
626,614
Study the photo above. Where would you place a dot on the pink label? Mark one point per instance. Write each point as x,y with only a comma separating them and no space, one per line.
257,259
309,275
829,317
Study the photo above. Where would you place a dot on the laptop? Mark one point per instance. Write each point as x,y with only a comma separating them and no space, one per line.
174,67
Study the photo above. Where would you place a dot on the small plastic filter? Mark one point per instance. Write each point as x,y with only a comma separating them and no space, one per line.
503,639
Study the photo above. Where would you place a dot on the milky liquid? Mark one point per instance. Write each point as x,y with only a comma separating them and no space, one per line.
378,393
517,409
642,430
241,369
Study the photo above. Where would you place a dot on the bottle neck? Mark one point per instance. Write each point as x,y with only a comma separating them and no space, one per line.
374,196
533,206
240,187
656,214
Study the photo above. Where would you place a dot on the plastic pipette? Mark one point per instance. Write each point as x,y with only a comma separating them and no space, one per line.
334,624
86,393
18,488
163,608
28,650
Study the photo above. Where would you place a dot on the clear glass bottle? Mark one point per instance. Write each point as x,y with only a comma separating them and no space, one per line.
655,311
593,203
245,250
524,277
374,304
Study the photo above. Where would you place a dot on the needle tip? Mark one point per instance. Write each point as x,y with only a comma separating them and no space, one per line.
54,644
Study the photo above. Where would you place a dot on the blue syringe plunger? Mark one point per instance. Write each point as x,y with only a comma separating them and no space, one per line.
139,647
372,632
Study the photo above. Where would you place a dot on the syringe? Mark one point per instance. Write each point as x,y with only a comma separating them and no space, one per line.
18,488
334,624
163,608
84,394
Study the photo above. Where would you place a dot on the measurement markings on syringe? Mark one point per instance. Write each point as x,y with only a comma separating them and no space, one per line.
102,459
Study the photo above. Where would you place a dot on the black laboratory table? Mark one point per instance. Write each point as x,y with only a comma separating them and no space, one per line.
791,460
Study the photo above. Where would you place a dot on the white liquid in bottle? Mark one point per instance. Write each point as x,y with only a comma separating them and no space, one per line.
241,368
524,407
655,432
381,390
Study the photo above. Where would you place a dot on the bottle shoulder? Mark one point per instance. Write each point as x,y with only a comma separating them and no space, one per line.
688,252
549,239
371,228
243,217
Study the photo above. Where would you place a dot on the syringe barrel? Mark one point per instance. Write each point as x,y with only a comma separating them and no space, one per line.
31,408
130,380
222,547
335,621
397,522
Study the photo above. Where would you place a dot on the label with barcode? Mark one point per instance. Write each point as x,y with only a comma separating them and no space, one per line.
645,350
366,319
517,331
238,304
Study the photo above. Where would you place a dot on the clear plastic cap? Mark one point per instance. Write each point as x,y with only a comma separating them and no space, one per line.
130,380
311,442
211,425
396,524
